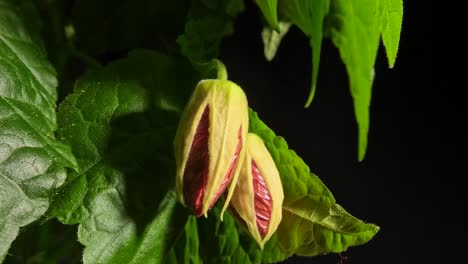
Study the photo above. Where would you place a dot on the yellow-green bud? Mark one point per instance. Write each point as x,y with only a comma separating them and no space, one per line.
258,197
209,144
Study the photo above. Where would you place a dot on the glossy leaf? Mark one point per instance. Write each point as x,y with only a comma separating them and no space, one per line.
208,21
122,196
309,17
354,27
32,162
392,18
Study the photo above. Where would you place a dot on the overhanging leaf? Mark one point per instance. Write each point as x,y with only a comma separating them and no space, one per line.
272,39
32,161
208,21
269,10
120,123
308,16
354,27
392,18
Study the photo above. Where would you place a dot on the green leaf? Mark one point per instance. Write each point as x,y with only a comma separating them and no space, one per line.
208,22
312,222
225,242
269,10
318,231
392,18
186,250
354,27
32,161
218,241
309,16
115,26
120,123
272,39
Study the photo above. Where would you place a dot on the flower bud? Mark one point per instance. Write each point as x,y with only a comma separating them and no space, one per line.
258,197
209,144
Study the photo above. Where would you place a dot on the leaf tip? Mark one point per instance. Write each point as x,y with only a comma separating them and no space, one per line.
373,230
362,154
311,96
362,141
362,149
391,58
376,228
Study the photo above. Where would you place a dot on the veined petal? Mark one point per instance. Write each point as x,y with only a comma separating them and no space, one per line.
258,197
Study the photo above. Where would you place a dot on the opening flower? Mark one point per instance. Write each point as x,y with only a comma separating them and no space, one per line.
209,144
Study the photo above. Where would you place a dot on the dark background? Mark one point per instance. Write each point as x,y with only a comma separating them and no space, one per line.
393,187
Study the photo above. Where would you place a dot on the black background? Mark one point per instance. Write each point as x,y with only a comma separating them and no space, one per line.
393,187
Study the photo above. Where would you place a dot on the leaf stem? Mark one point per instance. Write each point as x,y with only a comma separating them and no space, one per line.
213,69
221,70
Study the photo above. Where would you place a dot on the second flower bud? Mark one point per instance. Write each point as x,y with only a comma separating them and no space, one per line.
258,197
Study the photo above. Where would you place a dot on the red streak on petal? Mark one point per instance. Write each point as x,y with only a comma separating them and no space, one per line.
262,200
231,169
196,170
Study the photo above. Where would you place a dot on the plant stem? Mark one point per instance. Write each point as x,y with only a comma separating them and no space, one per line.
221,70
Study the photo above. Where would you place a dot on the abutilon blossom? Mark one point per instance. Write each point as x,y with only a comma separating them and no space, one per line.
209,144
258,198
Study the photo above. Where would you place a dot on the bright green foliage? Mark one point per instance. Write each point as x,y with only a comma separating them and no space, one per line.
308,16
121,197
32,161
354,27
392,18
208,21
269,10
